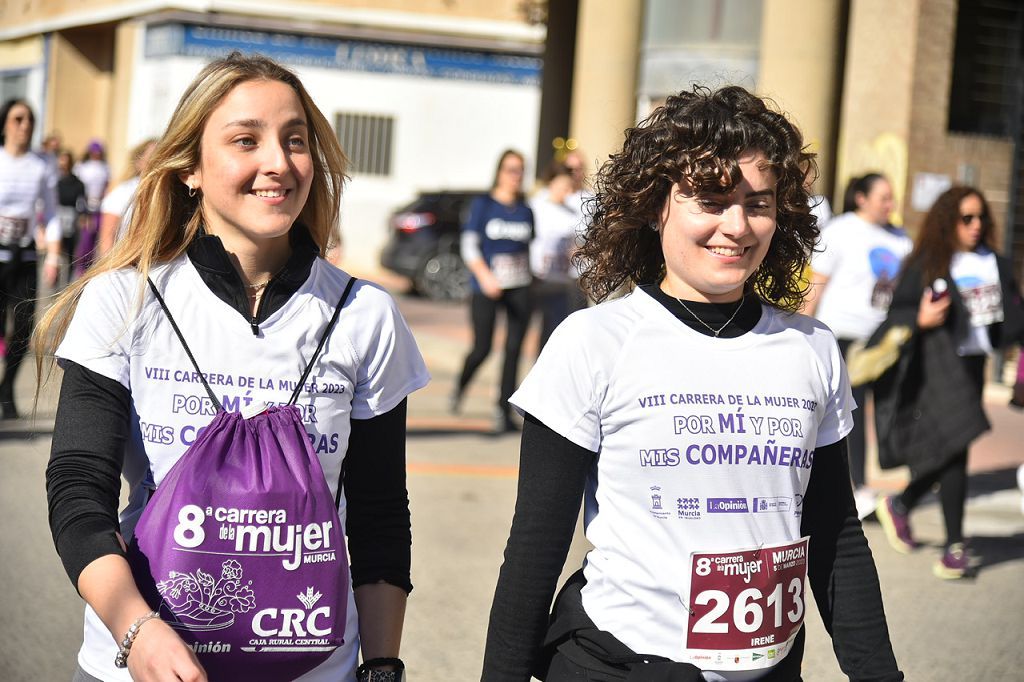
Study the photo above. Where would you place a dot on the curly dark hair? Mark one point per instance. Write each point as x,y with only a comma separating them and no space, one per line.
698,135
937,239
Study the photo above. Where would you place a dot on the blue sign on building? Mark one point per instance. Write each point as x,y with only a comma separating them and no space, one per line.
349,55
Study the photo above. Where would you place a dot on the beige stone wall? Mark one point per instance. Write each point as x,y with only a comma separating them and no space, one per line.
23,53
81,71
932,148
896,105
24,12
800,74
126,36
605,75
36,10
875,117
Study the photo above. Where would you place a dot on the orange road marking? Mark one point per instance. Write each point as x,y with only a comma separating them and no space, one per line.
469,470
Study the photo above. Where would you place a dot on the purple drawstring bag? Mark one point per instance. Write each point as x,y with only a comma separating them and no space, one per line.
241,549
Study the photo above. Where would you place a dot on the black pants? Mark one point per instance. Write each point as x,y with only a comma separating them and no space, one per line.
483,313
856,442
17,303
951,476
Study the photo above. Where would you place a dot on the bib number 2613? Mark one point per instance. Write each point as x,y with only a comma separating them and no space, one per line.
746,599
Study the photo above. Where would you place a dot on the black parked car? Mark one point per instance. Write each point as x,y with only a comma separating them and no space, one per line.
424,244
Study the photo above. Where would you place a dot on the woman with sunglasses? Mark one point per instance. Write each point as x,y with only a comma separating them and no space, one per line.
962,300
28,199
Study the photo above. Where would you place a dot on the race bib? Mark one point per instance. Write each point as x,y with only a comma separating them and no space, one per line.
746,606
557,264
881,294
512,270
12,230
984,303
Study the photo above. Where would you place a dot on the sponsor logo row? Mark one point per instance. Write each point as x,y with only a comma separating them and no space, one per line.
719,657
663,506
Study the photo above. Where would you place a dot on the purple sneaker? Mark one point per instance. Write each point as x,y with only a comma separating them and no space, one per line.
953,564
896,526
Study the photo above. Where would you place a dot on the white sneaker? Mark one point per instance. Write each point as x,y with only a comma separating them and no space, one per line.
866,500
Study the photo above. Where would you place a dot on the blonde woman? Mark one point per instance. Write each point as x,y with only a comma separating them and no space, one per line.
230,220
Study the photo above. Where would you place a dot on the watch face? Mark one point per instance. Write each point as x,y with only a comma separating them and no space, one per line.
381,676
364,674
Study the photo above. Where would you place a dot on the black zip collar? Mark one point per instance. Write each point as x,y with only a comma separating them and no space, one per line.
714,314
211,260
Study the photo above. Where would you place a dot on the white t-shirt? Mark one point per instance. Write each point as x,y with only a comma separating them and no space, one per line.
976,275
119,202
686,428
95,175
862,261
368,365
554,239
28,190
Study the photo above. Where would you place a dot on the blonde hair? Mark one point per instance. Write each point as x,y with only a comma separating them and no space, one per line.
166,219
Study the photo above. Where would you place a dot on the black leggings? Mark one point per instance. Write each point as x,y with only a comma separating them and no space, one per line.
951,476
483,312
17,295
855,441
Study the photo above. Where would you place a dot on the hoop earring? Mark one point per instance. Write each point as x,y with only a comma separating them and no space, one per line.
191,192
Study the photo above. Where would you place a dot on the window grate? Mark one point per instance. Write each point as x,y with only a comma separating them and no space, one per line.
367,141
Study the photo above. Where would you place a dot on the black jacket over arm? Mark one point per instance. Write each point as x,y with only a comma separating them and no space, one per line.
926,407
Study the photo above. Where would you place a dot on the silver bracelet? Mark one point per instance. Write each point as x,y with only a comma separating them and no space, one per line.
125,648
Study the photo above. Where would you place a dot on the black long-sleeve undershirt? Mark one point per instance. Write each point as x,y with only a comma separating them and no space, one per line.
83,477
552,475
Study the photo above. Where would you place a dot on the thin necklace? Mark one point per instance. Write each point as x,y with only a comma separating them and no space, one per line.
260,286
714,331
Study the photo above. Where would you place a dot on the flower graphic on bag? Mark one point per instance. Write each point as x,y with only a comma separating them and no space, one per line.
198,601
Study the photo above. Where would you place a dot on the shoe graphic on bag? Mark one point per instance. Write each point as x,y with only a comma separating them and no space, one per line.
199,601
197,616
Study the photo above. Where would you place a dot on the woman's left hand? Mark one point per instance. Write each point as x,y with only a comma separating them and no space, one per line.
932,313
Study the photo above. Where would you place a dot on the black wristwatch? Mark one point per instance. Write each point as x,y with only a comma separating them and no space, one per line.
367,671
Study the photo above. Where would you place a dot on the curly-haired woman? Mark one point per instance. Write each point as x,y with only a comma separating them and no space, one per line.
930,410
689,414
